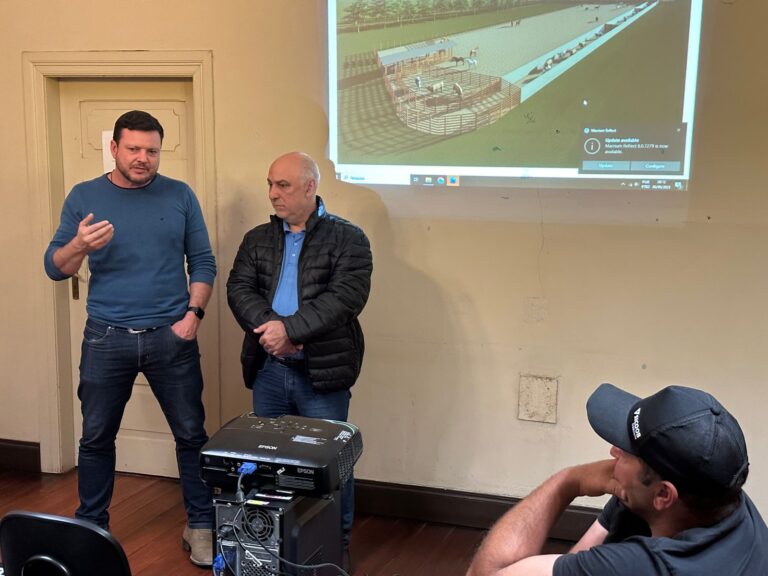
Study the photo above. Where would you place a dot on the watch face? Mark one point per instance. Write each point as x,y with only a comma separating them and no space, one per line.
199,312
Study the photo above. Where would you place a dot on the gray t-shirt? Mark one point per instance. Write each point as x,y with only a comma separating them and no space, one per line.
736,546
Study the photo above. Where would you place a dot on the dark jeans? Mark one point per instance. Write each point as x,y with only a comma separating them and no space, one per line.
111,359
280,390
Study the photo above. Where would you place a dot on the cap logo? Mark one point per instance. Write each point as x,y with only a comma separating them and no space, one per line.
636,424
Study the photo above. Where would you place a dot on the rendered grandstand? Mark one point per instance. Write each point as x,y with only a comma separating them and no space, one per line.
469,78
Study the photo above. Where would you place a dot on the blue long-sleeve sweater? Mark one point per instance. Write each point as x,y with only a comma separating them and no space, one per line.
138,279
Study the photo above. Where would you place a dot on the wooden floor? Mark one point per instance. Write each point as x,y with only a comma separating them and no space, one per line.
147,517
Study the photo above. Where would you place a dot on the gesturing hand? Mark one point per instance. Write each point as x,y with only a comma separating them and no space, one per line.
91,237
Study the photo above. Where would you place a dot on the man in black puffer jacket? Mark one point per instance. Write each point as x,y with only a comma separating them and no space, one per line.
296,288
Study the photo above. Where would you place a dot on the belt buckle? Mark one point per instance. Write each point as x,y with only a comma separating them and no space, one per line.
289,362
134,331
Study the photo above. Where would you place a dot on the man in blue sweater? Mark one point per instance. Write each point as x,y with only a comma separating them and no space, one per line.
137,228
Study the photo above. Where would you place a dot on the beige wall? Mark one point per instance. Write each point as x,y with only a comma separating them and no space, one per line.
460,307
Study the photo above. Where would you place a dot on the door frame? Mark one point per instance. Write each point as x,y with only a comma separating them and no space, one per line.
42,72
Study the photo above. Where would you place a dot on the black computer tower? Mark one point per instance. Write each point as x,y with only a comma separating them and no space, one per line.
301,530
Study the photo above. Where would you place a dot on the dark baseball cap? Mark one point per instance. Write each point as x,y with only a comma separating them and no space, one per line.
684,434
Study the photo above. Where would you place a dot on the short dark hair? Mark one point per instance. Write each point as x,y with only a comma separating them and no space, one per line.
710,508
136,120
714,507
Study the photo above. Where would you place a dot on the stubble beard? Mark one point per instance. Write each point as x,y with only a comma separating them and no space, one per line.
137,182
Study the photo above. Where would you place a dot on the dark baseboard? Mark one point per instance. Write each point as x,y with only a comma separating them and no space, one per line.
19,456
456,508
419,503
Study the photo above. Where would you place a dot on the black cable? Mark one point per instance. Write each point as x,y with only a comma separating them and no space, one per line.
243,546
279,558
220,547
245,470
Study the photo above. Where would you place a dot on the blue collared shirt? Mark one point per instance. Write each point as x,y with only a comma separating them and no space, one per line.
286,299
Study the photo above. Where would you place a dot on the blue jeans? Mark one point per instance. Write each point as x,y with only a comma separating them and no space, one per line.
111,359
280,390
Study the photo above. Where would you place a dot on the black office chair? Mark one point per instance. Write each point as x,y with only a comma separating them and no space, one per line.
35,544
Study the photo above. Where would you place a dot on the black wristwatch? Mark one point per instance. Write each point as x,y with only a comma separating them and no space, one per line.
199,312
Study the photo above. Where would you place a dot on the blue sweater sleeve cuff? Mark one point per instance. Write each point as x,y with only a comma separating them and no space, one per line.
50,268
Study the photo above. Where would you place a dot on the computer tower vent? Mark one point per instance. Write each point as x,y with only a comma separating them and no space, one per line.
304,530
251,569
260,524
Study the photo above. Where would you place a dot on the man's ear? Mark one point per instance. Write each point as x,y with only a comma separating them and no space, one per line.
666,495
113,148
311,187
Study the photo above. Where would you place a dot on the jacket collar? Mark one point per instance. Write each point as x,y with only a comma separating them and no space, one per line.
314,218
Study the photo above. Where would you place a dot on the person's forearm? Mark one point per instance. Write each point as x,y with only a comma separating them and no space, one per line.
199,294
245,296
69,258
522,531
89,237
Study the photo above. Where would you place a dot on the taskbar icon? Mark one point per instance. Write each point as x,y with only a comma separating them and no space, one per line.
435,180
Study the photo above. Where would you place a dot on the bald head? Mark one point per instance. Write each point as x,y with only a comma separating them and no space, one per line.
292,181
309,168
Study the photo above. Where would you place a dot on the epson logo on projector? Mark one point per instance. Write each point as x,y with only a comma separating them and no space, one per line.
267,447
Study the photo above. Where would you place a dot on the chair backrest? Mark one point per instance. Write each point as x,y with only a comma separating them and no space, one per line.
35,544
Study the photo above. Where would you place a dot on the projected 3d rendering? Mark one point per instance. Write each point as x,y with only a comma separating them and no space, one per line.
488,88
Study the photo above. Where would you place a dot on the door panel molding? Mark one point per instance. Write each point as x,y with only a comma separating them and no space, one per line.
41,74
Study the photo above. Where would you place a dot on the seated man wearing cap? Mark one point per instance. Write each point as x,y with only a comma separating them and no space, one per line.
679,462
